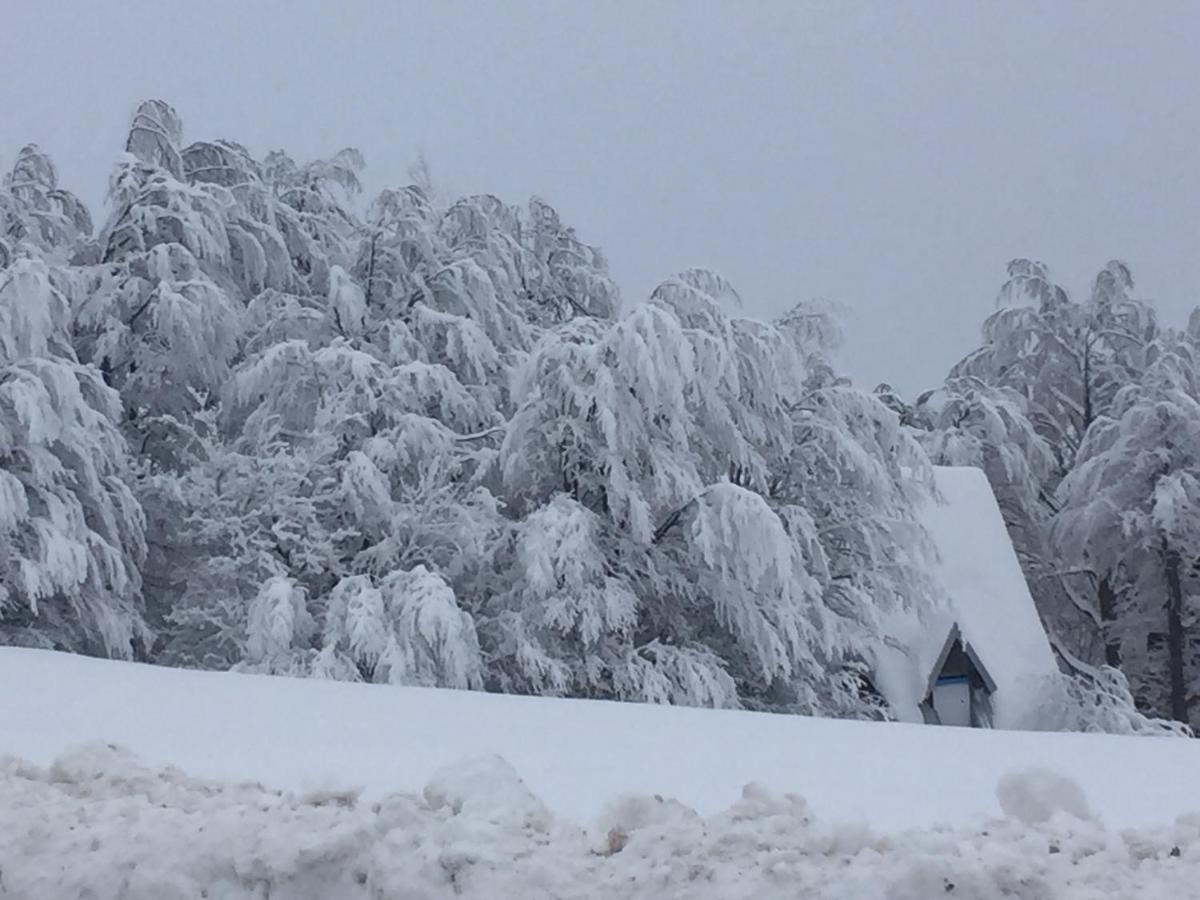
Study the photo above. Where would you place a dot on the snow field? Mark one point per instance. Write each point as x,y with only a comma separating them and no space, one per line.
300,734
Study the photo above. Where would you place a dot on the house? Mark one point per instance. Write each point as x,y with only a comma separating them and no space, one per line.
982,657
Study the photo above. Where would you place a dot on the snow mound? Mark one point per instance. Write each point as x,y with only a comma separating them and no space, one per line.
99,823
1038,795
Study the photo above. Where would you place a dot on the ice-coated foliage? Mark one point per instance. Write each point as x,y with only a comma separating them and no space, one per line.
225,525
71,533
278,629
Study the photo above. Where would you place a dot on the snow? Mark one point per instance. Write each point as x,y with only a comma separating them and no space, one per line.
146,783
300,734
987,597
99,824
1037,795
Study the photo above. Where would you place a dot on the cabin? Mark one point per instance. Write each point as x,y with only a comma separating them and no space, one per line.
981,657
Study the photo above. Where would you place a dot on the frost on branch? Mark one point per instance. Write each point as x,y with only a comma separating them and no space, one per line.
154,313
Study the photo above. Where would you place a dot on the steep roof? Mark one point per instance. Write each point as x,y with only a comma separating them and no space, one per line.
986,597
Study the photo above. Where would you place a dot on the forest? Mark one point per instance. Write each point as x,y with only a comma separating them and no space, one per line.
251,419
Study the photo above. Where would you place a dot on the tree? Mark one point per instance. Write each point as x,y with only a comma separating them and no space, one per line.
848,483
1067,361
71,532
246,426
149,313
1129,510
677,447
407,629
287,224
234,520
36,212
969,423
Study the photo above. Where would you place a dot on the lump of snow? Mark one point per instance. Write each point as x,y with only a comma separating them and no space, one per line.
633,813
1034,796
487,788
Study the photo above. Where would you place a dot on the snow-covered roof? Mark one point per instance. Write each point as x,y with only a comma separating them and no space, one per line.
986,597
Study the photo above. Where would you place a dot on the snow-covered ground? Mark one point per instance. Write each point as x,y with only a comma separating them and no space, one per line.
509,796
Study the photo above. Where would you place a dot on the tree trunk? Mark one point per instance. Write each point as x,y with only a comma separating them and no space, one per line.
1108,618
1175,635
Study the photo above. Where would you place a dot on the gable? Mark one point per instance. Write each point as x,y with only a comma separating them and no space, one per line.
958,658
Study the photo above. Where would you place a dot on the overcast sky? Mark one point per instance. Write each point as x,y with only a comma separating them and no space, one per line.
891,157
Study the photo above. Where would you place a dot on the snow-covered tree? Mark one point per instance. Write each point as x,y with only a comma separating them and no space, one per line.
405,629
36,212
567,624
970,423
419,444
71,532
287,224
1058,364
848,483
224,527
1129,511
473,284
676,447
149,314
1068,359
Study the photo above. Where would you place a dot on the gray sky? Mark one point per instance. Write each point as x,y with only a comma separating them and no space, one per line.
891,157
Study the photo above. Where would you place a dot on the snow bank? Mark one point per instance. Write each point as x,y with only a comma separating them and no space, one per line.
97,823
577,756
